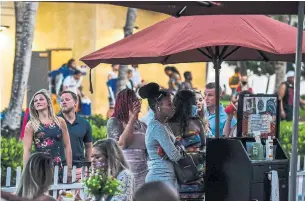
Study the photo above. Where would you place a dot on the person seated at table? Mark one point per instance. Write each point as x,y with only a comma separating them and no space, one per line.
228,130
36,178
108,157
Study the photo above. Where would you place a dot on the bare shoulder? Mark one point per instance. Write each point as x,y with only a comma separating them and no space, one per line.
29,126
60,119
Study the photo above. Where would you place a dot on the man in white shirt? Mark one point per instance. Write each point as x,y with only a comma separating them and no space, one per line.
136,77
73,82
114,73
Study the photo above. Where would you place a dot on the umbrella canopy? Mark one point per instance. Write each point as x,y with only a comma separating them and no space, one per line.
187,8
201,38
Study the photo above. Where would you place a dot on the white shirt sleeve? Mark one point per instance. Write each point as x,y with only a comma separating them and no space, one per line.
67,81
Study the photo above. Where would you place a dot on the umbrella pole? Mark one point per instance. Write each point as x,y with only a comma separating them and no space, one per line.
217,66
296,103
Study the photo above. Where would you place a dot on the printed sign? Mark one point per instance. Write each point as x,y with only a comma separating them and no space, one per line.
259,115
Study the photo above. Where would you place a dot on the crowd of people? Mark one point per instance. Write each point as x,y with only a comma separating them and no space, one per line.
239,83
146,154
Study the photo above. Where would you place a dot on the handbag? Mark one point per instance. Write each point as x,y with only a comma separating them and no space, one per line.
186,169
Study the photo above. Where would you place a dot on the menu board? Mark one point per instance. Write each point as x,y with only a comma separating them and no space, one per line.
258,113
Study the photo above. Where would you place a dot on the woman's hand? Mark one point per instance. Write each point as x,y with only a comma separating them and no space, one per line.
283,114
230,116
134,114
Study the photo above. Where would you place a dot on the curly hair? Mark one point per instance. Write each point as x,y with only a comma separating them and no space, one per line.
183,102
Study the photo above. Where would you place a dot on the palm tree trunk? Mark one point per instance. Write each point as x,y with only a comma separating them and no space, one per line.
25,13
128,30
268,83
280,72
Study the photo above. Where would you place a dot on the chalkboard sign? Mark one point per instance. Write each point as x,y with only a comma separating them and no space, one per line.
258,113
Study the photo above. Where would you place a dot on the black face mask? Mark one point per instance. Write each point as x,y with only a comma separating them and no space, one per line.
244,83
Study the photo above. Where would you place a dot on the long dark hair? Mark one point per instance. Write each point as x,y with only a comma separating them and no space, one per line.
124,103
70,63
172,68
183,102
153,94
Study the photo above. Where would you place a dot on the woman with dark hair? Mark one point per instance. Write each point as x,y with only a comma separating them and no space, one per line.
229,131
159,139
191,133
129,132
174,78
71,64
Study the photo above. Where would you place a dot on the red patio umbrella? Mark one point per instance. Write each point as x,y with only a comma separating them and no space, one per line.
204,38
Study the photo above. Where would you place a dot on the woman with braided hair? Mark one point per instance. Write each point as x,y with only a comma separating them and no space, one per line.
129,132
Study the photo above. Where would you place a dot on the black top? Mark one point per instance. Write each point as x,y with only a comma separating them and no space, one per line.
47,139
80,132
288,97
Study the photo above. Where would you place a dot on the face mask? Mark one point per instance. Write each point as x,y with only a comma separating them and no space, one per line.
194,110
244,83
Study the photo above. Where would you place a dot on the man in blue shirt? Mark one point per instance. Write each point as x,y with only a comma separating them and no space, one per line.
79,130
210,100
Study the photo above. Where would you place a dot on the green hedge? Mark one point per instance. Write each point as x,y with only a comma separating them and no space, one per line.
286,137
98,125
11,156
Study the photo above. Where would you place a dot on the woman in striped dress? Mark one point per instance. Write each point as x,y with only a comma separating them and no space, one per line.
129,132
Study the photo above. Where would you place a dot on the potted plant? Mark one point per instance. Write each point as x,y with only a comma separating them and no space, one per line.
100,186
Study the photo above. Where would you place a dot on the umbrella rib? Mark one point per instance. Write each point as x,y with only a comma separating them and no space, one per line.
263,55
201,3
223,51
204,3
231,52
181,11
209,49
165,59
204,53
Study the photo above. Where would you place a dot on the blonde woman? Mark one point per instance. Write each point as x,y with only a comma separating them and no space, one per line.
108,157
201,111
46,130
36,178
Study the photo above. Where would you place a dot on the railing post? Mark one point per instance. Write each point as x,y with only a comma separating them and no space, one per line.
18,175
8,176
55,181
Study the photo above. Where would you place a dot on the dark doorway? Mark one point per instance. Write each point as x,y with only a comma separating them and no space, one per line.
38,78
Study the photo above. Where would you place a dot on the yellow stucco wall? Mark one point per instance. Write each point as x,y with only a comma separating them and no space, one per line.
85,28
